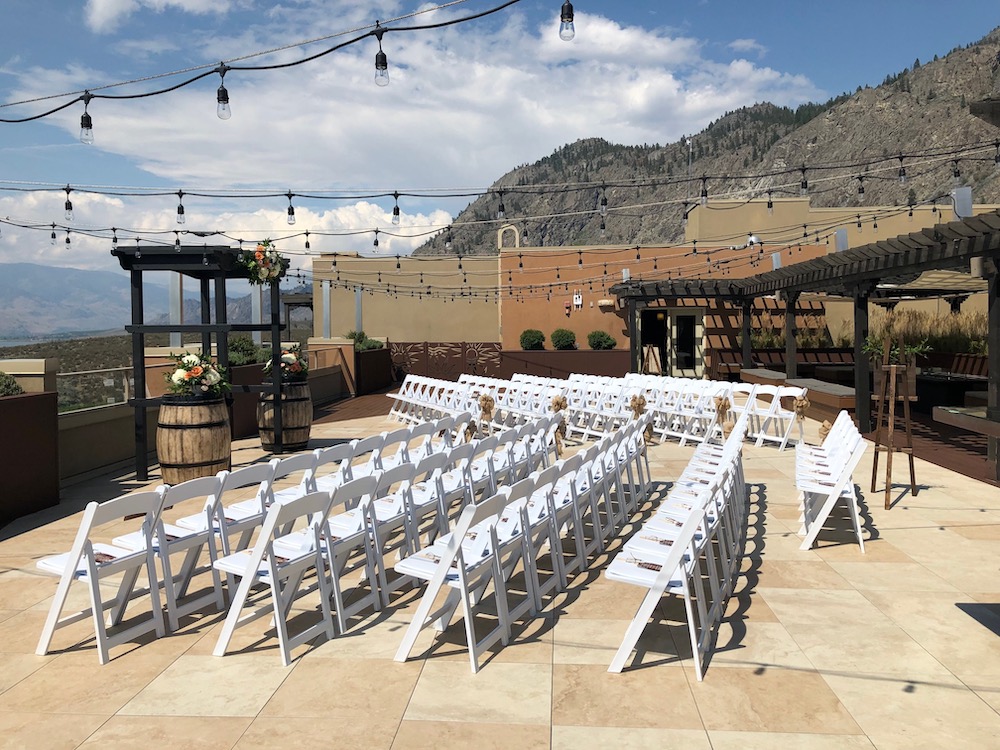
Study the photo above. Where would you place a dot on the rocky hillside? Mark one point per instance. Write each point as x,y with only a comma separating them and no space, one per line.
923,108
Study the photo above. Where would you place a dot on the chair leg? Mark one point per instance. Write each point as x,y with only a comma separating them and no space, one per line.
635,628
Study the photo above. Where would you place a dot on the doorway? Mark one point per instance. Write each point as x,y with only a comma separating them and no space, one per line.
685,332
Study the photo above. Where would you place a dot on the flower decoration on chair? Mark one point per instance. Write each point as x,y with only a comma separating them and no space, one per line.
196,376
293,364
265,265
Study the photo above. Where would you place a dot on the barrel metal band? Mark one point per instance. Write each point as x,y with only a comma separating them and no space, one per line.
162,426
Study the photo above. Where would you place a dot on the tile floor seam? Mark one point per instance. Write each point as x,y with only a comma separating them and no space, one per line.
409,699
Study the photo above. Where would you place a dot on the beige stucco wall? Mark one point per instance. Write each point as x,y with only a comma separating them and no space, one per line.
33,375
390,306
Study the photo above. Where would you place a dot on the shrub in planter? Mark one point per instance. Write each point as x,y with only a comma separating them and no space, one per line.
601,340
532,338
362,343
243,350
9,385
563,338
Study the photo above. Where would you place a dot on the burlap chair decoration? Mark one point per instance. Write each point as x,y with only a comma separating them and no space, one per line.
824,430
801,407
558,404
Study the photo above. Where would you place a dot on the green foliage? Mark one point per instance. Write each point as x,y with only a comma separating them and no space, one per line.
362,343
563,338
243,350
599,340
9,386
532,338
960,334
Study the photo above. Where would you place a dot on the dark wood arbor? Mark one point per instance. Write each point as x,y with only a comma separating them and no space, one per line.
879,270
211,266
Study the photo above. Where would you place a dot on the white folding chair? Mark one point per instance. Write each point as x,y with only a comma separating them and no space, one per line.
282,572
93,561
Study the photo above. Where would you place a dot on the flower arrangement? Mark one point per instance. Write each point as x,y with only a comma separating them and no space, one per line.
293,364
265,265
196,376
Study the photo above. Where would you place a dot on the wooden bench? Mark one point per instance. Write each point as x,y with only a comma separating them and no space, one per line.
826,400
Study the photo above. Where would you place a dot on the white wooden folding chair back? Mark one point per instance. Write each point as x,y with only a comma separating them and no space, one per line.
390,521
467,571
332,466
92,561
294,476
283,573
171,539
820,495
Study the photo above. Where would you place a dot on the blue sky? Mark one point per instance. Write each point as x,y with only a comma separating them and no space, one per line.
465,105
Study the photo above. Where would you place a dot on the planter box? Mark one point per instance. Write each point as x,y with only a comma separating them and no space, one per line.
561,363
372,370
29,454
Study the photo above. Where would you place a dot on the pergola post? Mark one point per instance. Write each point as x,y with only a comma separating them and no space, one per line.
635,344
993,344
862,374
791,350
139,374
747,348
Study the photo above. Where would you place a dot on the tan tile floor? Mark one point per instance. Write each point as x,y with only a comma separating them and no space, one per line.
825,648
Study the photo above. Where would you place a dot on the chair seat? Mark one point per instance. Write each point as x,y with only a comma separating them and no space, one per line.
639,572
103,553
135,541
234,515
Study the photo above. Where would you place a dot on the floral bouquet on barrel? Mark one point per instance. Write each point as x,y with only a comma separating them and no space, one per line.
196,376
265,265
292,364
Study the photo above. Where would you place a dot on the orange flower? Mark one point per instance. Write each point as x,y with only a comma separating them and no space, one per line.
196,371
259,255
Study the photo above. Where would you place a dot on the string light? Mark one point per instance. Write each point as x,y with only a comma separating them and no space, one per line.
291,208
956,173
580,261
381,61
138,251
567,30
68,243
603,227
177,242
902,171
859,222
520,260
861,185
114,239
524,235
69,204
501,211
397,263
86,122
222,95
395,209
803,183
603,205
770,204
53,236
180,206
308,246
704,190
447,240
375,244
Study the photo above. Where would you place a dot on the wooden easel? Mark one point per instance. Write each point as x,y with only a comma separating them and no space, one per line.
651,364
885,410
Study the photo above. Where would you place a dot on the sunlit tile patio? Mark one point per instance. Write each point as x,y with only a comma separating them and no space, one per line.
827,648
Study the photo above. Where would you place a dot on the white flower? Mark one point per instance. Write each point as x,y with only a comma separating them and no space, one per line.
191,359
178,377
212,376
262,273
204,389
288,358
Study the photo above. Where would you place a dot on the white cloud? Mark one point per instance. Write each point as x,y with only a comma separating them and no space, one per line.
748,46
104,16
465,105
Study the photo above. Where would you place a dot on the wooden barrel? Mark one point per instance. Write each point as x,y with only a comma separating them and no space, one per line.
296,417
192,438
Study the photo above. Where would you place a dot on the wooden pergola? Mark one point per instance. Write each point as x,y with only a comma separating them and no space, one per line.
879,270
211,266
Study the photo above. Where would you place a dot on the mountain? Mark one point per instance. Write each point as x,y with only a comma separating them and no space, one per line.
921,108
43,301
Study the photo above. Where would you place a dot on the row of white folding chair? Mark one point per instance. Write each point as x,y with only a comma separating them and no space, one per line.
824,477
712,490
491,537
687,410
590,406
420,399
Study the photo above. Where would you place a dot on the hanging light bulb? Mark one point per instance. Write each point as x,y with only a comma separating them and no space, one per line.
566,28
86,123
69,204
603,207
861,185
704,190
603,227
803,183
381,61
395,210
875,225
114,239
180,207
520,260
447,239
52,239
770,204
204,260
375,243
138,250
910,214
501,211
291,208
580,261
307,241
68,243
859,222
684,214
177,242
956,173
397,263
222,96
902,171
524,235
